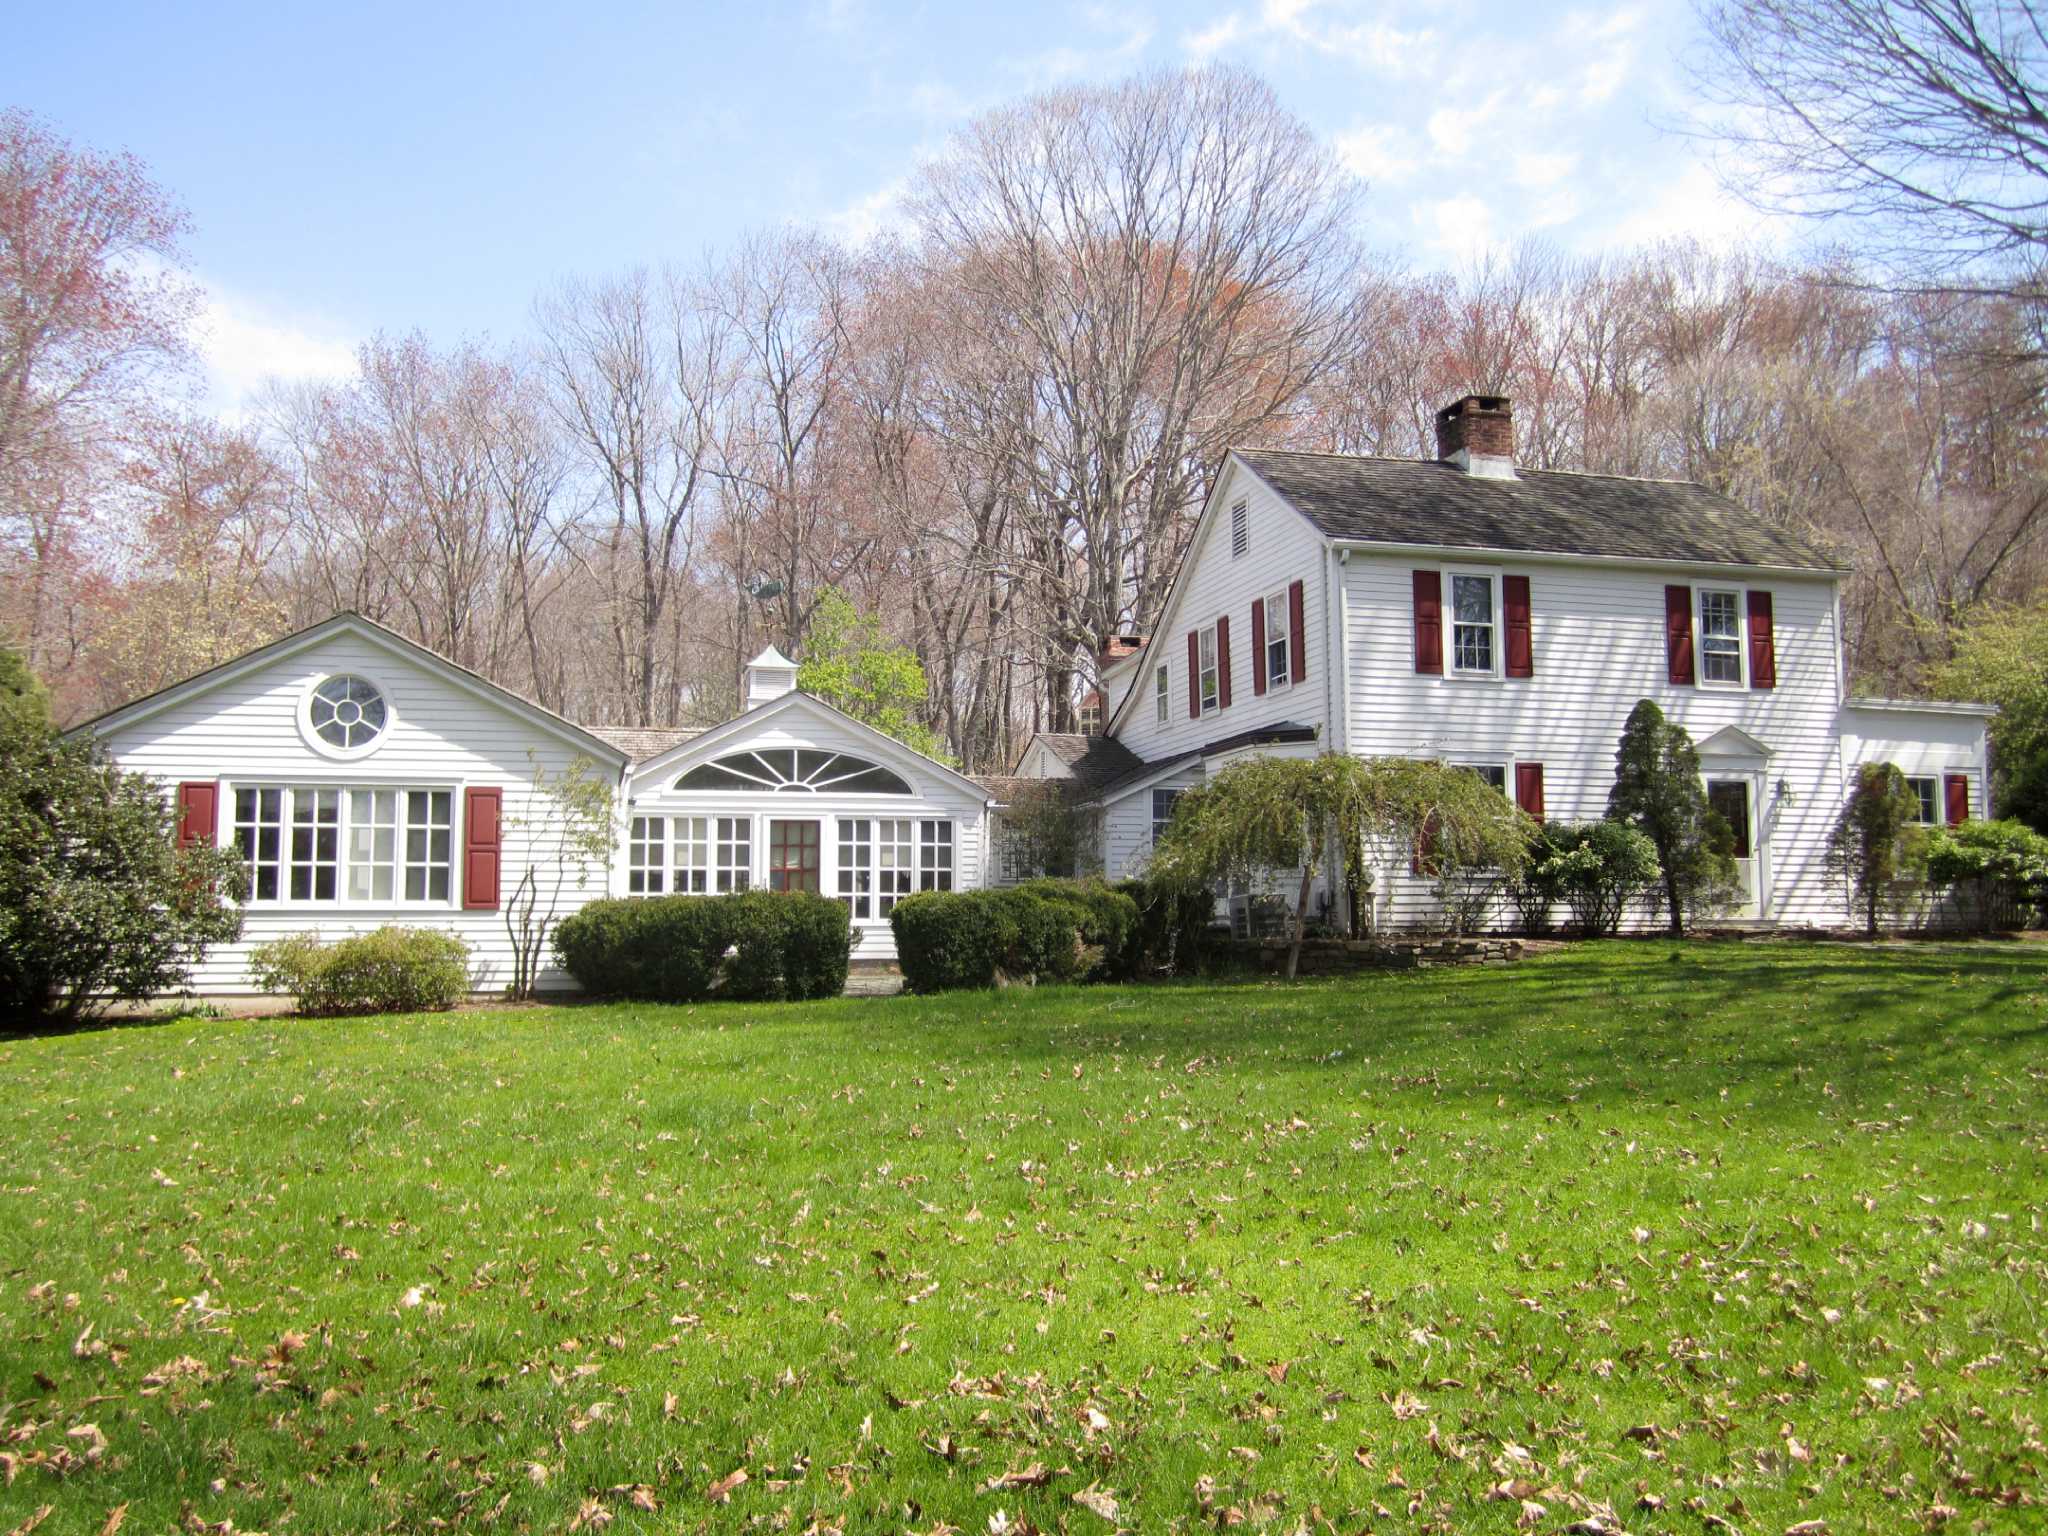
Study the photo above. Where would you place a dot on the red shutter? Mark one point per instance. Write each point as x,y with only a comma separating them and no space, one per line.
198,809
1678,636
1763,646
480,834
1258,645
1297,634
1223,662
1429,621
1955,793
1529,788
1194,675
1514,596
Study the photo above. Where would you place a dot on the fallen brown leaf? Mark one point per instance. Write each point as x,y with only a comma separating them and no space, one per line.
721,1491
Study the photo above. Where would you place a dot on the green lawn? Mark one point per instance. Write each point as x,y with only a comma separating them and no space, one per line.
1655,1237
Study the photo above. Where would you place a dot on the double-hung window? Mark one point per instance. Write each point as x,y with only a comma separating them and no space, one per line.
1210,677
344,844
1276,629
935,855
1160,692
1475,648
1163,801
1927,792
1720,636
647,856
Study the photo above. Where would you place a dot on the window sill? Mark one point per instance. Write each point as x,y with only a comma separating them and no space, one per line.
1455,676
350,909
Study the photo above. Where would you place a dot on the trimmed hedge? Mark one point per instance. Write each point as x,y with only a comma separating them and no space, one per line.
751,946
1058,930
390,970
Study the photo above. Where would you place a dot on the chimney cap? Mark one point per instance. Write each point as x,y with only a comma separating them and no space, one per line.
1468,404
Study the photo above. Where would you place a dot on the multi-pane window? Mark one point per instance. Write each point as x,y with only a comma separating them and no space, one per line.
1206,651
793,855
1926,792
1720,636
1276,626
1160,705
1472,647
877,857
1162,811
732,853
690,843
317,844
935,855
372,843
647,856
259,835
1240,530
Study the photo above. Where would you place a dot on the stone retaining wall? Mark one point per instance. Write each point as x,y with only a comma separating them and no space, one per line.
1329,957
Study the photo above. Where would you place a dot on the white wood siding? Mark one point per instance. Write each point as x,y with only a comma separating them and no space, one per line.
1598,635
1127,824
1924,743
1284,548
246,731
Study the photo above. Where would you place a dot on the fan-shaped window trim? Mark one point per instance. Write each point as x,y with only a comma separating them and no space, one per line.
793,770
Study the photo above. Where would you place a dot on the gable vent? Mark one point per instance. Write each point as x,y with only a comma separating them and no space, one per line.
1240,529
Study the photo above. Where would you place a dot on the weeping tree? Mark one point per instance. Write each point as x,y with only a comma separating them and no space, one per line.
1302,813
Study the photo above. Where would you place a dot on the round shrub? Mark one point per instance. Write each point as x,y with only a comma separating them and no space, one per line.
1058,930
751,946
947,940
390,970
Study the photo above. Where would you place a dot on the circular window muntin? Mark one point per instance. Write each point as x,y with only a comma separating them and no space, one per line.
345,715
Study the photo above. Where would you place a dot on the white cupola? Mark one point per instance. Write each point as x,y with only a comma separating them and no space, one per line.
769,676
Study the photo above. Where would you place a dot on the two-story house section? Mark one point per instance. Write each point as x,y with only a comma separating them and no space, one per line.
1507,619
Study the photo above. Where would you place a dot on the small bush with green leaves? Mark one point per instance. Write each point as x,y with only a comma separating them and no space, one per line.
750,946
1998,870
1171,927
389,970
1596,868
1055,930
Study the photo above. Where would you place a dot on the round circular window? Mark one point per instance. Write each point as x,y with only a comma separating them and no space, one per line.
347,713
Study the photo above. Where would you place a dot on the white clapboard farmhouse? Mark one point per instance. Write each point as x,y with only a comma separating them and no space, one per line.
1459,608
1507,619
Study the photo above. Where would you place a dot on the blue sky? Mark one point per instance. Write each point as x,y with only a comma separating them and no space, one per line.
432,166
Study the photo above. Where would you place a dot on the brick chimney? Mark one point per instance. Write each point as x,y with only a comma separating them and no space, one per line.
1477,434
1117,648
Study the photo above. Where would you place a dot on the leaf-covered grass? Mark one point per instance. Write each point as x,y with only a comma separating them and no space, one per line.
1638,1236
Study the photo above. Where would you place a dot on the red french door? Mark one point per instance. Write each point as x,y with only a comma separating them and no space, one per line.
793,855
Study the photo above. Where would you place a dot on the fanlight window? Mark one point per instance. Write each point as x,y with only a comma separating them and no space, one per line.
796,770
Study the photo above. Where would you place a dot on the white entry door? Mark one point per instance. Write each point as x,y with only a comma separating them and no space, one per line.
1737,804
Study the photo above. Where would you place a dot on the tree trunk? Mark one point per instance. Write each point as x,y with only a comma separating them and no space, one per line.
1671,899
1308,875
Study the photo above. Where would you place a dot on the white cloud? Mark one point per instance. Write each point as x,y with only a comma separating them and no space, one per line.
879,212
1458,228
1690,203
1373,43
1538,171
1212,40
1383,154
242,345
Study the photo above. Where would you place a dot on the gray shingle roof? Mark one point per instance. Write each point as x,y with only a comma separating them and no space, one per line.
1095,761
1422,501
640,742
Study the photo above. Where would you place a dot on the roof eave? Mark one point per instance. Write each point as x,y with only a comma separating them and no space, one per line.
1559,557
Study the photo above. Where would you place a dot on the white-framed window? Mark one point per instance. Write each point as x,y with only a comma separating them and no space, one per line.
647,856
1278,629
1475,623
732,854
1163,802
1927,790
1240,529
935,855
877,863
1210,677
1161,692
346,844
1495,774
690,855
1720,618
1090,715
